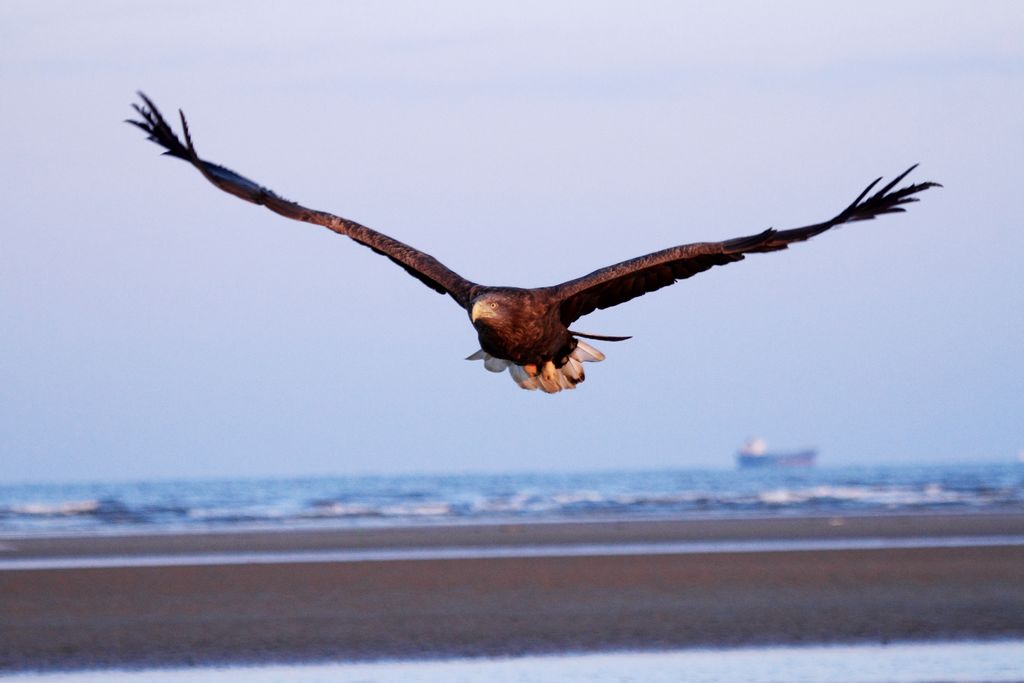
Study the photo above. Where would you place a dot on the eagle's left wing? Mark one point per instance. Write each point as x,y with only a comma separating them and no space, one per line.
420,265
621,282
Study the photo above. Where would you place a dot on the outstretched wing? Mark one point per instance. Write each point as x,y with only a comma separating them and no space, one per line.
421,266
627,280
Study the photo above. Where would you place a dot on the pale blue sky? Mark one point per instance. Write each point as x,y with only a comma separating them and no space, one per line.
154,327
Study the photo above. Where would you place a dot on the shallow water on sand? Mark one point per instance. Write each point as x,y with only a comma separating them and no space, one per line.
897,663
464,553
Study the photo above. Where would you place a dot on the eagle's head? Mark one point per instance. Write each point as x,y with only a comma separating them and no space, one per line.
485,307
498,309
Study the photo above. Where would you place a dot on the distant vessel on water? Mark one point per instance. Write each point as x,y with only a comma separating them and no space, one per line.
754,454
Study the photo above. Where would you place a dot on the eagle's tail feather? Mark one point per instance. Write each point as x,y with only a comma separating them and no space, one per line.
490,362
547,377
586,352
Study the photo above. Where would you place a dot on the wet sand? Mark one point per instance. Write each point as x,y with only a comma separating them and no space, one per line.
129,616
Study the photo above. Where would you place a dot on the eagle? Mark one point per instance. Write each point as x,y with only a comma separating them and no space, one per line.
526,331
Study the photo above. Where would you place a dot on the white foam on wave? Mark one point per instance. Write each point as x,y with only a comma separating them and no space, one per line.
888,497
63,509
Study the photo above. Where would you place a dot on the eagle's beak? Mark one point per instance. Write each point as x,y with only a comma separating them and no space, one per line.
479,310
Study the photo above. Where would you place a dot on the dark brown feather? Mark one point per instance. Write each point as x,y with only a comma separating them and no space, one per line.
621,282
420,265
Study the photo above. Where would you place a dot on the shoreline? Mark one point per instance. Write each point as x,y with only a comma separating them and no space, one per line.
216,614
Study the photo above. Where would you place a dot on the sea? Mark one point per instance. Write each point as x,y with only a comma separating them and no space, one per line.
331,502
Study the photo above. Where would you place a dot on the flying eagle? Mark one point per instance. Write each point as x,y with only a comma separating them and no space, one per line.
526,331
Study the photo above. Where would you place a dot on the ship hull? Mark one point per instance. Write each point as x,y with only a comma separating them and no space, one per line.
772,460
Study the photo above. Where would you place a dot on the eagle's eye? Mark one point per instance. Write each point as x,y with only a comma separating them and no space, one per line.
493,304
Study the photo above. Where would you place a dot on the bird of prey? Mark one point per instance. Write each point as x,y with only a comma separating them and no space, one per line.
526,331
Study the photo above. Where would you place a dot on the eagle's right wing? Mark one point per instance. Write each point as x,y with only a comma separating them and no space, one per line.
621,282
421,266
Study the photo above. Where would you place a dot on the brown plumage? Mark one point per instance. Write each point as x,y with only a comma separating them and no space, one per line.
526,331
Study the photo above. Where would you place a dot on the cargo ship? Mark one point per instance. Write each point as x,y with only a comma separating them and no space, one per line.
755,454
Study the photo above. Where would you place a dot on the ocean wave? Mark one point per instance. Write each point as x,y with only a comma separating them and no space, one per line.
108,509
63,509
367,510
928,496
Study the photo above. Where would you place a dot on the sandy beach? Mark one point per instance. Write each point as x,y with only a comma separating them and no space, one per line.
296,611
